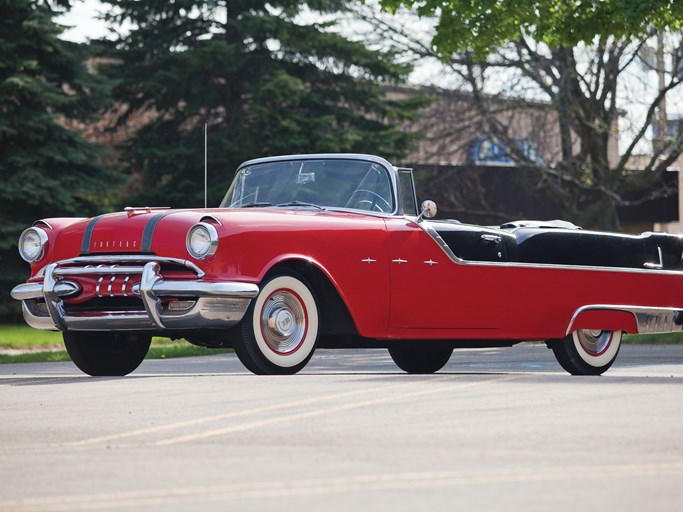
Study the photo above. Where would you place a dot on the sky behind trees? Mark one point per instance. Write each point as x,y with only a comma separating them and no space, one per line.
83,20
637,89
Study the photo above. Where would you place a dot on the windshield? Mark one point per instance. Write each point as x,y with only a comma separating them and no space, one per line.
332,183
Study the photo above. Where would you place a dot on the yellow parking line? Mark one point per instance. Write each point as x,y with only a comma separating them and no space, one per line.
337,485
247,412
27,381
322,412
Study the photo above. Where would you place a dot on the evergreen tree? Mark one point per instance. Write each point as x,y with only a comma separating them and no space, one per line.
265,80
46,169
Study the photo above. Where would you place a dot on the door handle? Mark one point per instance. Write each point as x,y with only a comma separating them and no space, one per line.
491,238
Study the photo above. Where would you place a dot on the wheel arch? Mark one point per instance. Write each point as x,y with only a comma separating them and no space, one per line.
603,318
335,316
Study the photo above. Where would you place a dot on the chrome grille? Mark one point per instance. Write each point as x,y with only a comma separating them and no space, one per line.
118,276
117,264
180,302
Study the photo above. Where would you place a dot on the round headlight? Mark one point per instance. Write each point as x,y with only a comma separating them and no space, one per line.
202,240
32,244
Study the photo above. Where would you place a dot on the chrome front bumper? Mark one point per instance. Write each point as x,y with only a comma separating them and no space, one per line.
214,305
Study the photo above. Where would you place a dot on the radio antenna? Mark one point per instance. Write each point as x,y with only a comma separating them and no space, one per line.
206,130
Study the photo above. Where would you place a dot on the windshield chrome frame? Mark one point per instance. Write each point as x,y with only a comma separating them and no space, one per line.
390,169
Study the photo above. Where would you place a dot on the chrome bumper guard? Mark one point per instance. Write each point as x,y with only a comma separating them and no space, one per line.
213,306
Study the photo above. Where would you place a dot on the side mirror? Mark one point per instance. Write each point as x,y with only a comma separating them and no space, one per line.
428,210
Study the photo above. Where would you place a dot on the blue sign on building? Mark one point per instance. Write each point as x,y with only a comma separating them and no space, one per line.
490,151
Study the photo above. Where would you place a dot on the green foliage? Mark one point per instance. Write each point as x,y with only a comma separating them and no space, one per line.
47,169
265,82
572,55
484,25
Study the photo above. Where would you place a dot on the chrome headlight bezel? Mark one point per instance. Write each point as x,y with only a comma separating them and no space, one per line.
42,240
211,236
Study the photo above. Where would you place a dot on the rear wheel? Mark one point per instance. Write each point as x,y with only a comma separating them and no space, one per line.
106,353
420,357
280,328
587,351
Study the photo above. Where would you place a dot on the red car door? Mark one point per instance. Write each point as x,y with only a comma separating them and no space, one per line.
434,297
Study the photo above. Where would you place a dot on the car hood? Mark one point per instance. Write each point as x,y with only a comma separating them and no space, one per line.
128,232
163,231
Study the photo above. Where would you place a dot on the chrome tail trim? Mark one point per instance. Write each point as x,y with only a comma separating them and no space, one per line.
650,320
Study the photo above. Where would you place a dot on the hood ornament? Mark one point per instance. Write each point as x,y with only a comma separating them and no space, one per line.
138,210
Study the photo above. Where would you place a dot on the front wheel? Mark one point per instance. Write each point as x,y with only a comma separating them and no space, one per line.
587,351
106,353
420,357
280,328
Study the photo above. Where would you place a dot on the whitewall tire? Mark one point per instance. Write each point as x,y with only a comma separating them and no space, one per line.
587,351
280,328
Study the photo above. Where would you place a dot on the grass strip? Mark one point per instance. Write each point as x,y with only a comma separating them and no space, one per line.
667,338
24,337
169,350
182,349
35,357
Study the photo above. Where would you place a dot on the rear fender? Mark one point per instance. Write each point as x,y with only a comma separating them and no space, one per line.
604,320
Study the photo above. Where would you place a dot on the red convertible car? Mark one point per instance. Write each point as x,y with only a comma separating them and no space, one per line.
332,251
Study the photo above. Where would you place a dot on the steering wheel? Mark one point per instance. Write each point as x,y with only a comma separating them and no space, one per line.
373,203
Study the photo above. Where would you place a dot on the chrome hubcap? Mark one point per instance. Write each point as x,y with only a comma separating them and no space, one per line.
283,322
594,342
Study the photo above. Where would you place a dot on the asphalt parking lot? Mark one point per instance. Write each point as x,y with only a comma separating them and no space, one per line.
497,429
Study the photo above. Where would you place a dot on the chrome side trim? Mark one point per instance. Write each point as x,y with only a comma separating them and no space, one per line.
440,241
515,264
649,320
659,265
